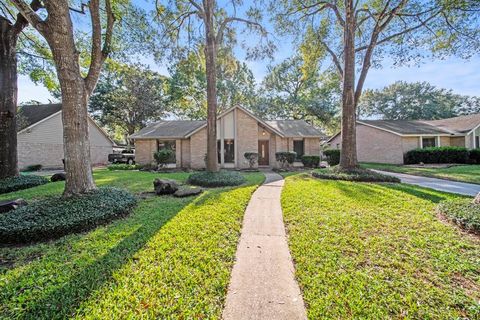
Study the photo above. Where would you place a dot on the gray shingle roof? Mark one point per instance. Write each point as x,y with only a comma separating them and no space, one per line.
168,129
405,126
31,114
295,128
462,124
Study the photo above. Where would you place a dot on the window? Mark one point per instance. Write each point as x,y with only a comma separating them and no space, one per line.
298,147
429,142
228,151
219,150
167,144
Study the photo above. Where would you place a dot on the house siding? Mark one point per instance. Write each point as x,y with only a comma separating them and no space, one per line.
43,144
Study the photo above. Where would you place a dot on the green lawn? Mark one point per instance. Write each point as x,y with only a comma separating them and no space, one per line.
171,258
377,251
463,173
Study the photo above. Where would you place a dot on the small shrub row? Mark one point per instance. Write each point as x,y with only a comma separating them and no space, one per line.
358,175
21,182
474,156
252,158
285,157
437,155
216,179
333,156
33,167
55,217
164,157
123,166
462,212
311,161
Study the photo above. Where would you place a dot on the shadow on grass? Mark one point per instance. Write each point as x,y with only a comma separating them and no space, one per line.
63,301
419,192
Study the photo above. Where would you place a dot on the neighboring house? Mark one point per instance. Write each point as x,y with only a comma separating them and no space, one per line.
386,141
238,132
40,137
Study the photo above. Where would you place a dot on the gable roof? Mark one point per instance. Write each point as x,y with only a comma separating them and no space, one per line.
295,128
28,115
404,127
180,129
169,129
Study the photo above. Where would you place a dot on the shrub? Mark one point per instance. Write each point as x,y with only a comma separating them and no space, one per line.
55,217
358,175
474,156
32,167
333,156
310,161
437,155
462,212
123,166
21,182
285,157
216,179
164,156
252,158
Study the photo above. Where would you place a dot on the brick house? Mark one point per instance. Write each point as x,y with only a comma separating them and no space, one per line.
386,141
238,131
40,137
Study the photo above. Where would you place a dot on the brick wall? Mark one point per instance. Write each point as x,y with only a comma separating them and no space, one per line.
144,149
198,149
247,137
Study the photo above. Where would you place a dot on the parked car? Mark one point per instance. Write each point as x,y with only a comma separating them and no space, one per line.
125,156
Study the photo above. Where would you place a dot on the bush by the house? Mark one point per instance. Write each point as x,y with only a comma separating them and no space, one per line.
474,156
252,158
437,155
216,179
123,166
333,156
462,212
21,182
358,175
32,167
55,217
164,156
310,161
285,157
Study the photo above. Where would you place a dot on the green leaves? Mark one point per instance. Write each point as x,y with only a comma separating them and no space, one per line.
216,179
21,182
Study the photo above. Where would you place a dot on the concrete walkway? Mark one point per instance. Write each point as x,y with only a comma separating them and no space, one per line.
263,284
468,189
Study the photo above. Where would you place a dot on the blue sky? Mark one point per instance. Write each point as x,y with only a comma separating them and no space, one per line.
462,76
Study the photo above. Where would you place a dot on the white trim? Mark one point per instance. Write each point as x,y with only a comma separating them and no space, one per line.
38,122
438,141
474,129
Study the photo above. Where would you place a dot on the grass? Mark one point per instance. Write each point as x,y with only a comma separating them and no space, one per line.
144,266
462,173
377,251
358,174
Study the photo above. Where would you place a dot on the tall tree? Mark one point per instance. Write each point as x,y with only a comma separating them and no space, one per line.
10,32
128,97
58,31
415,101
357,34
289,92
187,84
206,22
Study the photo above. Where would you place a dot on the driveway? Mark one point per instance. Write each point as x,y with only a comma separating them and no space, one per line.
468,189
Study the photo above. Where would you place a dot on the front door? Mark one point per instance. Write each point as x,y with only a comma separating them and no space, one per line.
263,158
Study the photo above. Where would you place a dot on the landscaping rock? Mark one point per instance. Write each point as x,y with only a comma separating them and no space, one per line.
58,177
165,186
9,205
187,192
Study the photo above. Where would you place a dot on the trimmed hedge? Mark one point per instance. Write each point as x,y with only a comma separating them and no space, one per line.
55,217
164,157
358,175
462,212
123,166
21,182
285,157
33,167
311,161
437,155
333,156
474,156
216,179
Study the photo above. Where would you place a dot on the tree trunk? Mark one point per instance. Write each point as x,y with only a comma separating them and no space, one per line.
76,144
211,69
348,156
477,199
8,100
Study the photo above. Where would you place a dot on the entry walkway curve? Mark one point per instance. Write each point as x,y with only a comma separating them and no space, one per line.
263,283
468,189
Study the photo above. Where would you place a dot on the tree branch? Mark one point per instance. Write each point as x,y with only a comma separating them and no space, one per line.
335,59
225,22
29,14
